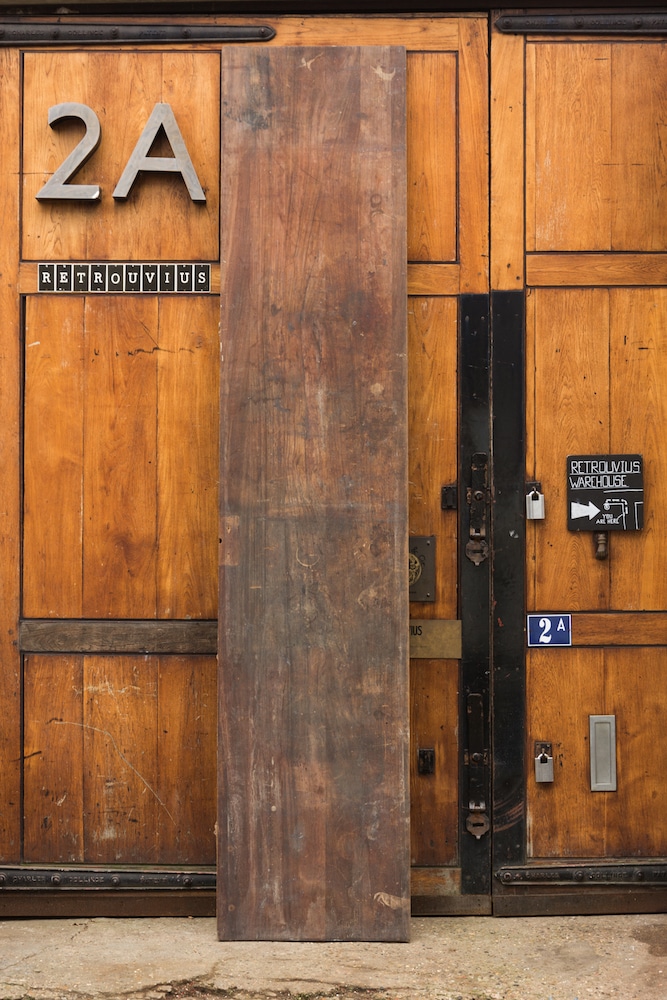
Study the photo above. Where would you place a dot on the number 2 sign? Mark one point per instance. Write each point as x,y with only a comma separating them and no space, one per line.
58,188
549,630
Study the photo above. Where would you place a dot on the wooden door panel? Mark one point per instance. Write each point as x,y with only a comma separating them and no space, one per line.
120,760
122,88
120,453
567,820
595,146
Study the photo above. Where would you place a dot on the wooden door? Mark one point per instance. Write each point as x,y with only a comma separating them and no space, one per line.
109,434
589,243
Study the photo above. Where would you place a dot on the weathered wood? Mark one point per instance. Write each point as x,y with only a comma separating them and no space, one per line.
507,170
53,636
473,155
187,458
631,628
583,269
432,156
122,88
120,480
312,828
53,760
434,687
433,279
53,465
10,497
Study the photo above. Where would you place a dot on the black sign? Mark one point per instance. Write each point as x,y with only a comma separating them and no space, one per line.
123,278
605,492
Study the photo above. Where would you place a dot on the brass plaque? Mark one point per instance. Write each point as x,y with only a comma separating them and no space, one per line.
435,639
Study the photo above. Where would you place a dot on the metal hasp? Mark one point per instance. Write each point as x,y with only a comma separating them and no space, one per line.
477,761
138,34
477,495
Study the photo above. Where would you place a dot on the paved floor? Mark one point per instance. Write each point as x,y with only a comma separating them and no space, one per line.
448,958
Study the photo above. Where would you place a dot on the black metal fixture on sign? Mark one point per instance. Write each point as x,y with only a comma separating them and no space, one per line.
24,878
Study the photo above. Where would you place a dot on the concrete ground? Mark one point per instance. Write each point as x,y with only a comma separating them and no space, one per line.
448,958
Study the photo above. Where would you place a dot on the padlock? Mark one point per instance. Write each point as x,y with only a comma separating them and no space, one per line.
544,763
534,506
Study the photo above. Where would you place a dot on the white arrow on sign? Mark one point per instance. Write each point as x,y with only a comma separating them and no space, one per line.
588,510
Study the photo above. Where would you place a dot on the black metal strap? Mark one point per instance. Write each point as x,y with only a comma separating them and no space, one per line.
583,24
137,34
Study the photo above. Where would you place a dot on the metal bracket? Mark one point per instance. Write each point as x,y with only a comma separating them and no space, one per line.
477,758
449,497
24,878
584,875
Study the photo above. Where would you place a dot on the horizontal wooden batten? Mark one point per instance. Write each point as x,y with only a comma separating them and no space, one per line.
593,269
29,281
618,628
434,279
118,636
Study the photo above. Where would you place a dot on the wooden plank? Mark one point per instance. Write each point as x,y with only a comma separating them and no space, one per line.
580,269
122,88
53,760
187,457
638,415
507,167
187,730
473,155
638,171
121,797
313,816
434,698
568,181
118,636
434,34
10,501
433,279
572,416
432,430
120,428
633,628
432,156
53,458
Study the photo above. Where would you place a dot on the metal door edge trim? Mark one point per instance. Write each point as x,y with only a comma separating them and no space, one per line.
26,878
583,24
58,33
584,875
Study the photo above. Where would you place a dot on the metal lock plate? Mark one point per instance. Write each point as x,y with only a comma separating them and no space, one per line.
544,762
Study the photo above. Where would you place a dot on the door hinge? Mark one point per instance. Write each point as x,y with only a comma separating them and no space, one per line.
478,496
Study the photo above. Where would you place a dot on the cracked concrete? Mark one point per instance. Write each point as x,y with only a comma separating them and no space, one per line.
448,958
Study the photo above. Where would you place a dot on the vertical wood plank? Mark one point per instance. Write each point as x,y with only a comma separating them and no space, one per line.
507,167
120,421
53,457
187,457
186,747
121,801
10,502
313,820
434,697
473,155
53,755
638,419
432,433
571,417
638,172
432,156
570,108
